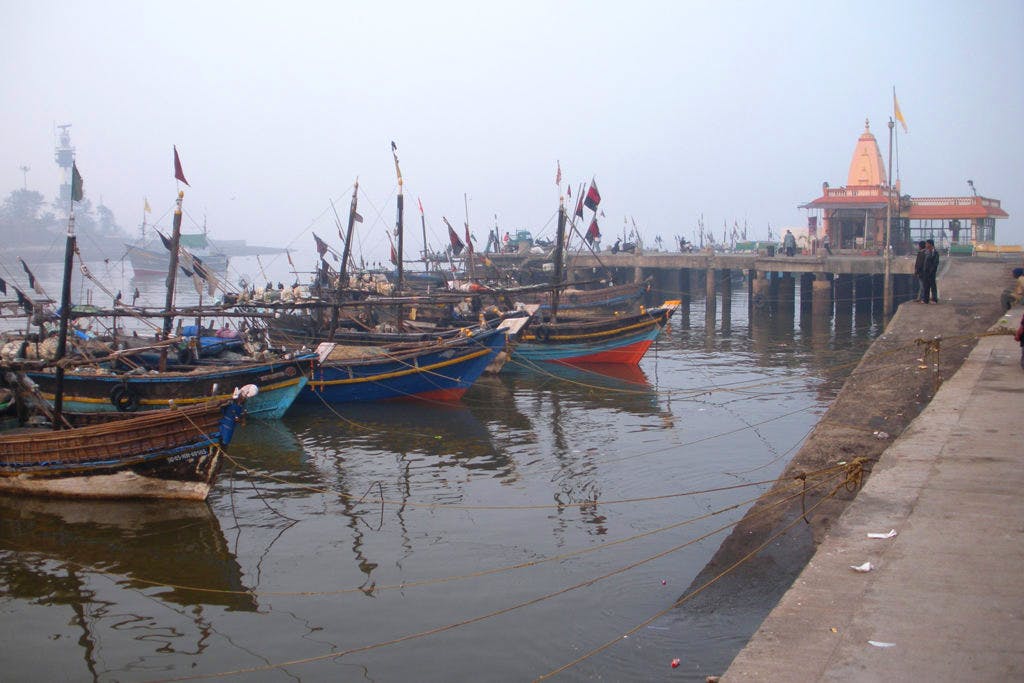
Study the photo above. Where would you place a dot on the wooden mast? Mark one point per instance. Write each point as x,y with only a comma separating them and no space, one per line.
398,222
346,251
469,241
559,258
172,272
65,298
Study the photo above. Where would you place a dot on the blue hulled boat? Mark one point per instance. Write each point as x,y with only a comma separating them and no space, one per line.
440,369
91,391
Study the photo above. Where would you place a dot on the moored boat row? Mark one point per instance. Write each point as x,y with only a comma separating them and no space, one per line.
161,412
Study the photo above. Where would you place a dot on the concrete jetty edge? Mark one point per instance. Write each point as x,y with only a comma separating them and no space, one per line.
943,600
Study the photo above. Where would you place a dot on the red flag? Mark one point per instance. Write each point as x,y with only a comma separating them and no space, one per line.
394,255
178,173
568,191
321,246
558,174
453,237
579,206
420,202
593,197
469,241
593,232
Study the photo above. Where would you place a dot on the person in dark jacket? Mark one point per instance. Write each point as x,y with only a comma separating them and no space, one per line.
919,272
1019,336
929,271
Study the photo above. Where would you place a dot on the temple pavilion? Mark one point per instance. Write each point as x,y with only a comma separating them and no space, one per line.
853,216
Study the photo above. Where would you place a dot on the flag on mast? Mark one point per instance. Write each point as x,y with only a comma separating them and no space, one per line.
453,238
145,205
31,277
178,173
593,197
593,232
76,183
558,173
897,113
579,206
321,246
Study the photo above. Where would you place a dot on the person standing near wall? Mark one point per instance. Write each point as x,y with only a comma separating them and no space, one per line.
789,243
930,271
919,272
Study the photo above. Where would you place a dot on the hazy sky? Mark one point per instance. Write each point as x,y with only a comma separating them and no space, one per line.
734,110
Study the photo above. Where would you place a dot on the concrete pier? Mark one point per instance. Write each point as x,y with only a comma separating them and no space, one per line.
944,600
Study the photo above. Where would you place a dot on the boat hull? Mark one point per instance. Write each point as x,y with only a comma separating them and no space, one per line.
168,454
438,372
152,263
279,383
621,341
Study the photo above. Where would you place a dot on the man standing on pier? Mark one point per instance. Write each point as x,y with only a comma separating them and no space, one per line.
789,243
919,272
930,270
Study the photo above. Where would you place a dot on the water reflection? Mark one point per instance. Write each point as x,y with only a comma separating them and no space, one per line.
157,554
119,539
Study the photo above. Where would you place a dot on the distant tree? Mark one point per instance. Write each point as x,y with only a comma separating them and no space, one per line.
85,218
22,206
23,216
105,221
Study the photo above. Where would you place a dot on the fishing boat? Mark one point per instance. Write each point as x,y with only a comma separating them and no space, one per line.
174,453
99,388
171,453
596,301
621,339
151,259
618,339
438,370
91,389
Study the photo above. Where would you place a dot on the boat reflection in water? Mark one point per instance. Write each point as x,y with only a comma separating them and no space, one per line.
128,572
132,541
593,385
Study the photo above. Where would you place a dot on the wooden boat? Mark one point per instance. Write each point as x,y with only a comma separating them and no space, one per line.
621,339
441,369
576,301
172,453
618,339
150,260
89,390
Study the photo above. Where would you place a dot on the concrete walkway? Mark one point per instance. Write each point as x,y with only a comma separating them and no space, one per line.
946,594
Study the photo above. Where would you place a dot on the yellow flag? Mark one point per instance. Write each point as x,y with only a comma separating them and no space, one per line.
146,207
896,111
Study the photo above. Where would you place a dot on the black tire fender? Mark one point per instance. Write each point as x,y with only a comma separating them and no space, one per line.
124,399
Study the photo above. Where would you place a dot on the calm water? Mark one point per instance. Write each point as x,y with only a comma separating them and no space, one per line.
457,528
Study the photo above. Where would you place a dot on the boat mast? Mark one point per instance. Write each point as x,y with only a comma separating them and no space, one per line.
423,225
173,265
65,297
398,223
559,258
347,250
469,241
